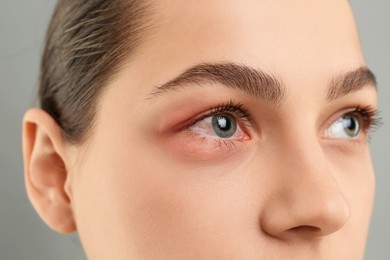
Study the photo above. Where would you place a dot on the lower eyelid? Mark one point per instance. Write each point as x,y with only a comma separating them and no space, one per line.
224,144
205,138
188,146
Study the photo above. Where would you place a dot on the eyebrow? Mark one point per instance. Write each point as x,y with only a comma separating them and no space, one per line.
350,82
259,83
232,75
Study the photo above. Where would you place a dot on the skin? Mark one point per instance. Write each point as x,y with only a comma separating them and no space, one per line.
143,188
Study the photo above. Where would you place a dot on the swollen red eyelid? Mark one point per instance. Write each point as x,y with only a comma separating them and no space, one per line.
186,145
177,120
189,145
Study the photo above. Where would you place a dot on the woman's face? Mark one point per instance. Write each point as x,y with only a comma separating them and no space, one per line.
237,131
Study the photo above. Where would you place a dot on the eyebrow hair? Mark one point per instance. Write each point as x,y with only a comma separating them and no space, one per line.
232,75
259,83
350,82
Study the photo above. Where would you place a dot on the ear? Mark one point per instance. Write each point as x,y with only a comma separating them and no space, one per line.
45,170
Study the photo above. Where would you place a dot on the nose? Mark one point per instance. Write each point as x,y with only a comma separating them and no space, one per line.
305,200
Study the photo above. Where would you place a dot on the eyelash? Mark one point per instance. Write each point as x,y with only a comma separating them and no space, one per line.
368,117
230,107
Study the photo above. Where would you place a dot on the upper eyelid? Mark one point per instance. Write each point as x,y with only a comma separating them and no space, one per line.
243,116
230,107
368,114
333,115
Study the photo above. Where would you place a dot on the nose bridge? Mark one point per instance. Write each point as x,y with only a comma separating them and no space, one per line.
305,197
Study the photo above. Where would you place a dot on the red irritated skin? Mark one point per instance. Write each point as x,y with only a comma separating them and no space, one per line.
239,130
188,132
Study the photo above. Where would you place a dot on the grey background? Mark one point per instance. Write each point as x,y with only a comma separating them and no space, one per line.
22,26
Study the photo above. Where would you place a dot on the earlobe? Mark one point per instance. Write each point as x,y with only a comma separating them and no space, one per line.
45,170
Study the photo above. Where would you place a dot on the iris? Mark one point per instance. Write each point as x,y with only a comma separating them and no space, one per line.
224,125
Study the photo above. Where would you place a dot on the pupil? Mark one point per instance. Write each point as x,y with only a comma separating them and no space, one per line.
351,125
223,123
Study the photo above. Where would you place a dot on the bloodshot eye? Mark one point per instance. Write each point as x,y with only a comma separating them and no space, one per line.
218,126
347,126
222,123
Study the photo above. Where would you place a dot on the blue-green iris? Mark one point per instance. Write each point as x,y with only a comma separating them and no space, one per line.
224,125
351,125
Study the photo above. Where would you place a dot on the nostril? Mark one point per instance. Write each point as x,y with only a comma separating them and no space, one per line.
305,229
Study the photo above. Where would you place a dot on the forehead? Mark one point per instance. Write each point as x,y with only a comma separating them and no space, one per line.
247,27
300,40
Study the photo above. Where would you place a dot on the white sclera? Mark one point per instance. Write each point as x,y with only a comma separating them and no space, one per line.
344,127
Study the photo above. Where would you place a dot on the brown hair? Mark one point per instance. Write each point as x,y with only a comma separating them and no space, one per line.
86,44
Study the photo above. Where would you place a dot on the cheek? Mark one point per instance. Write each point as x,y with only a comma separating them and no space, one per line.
355,174
144,200
176,208
194,149
356,178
